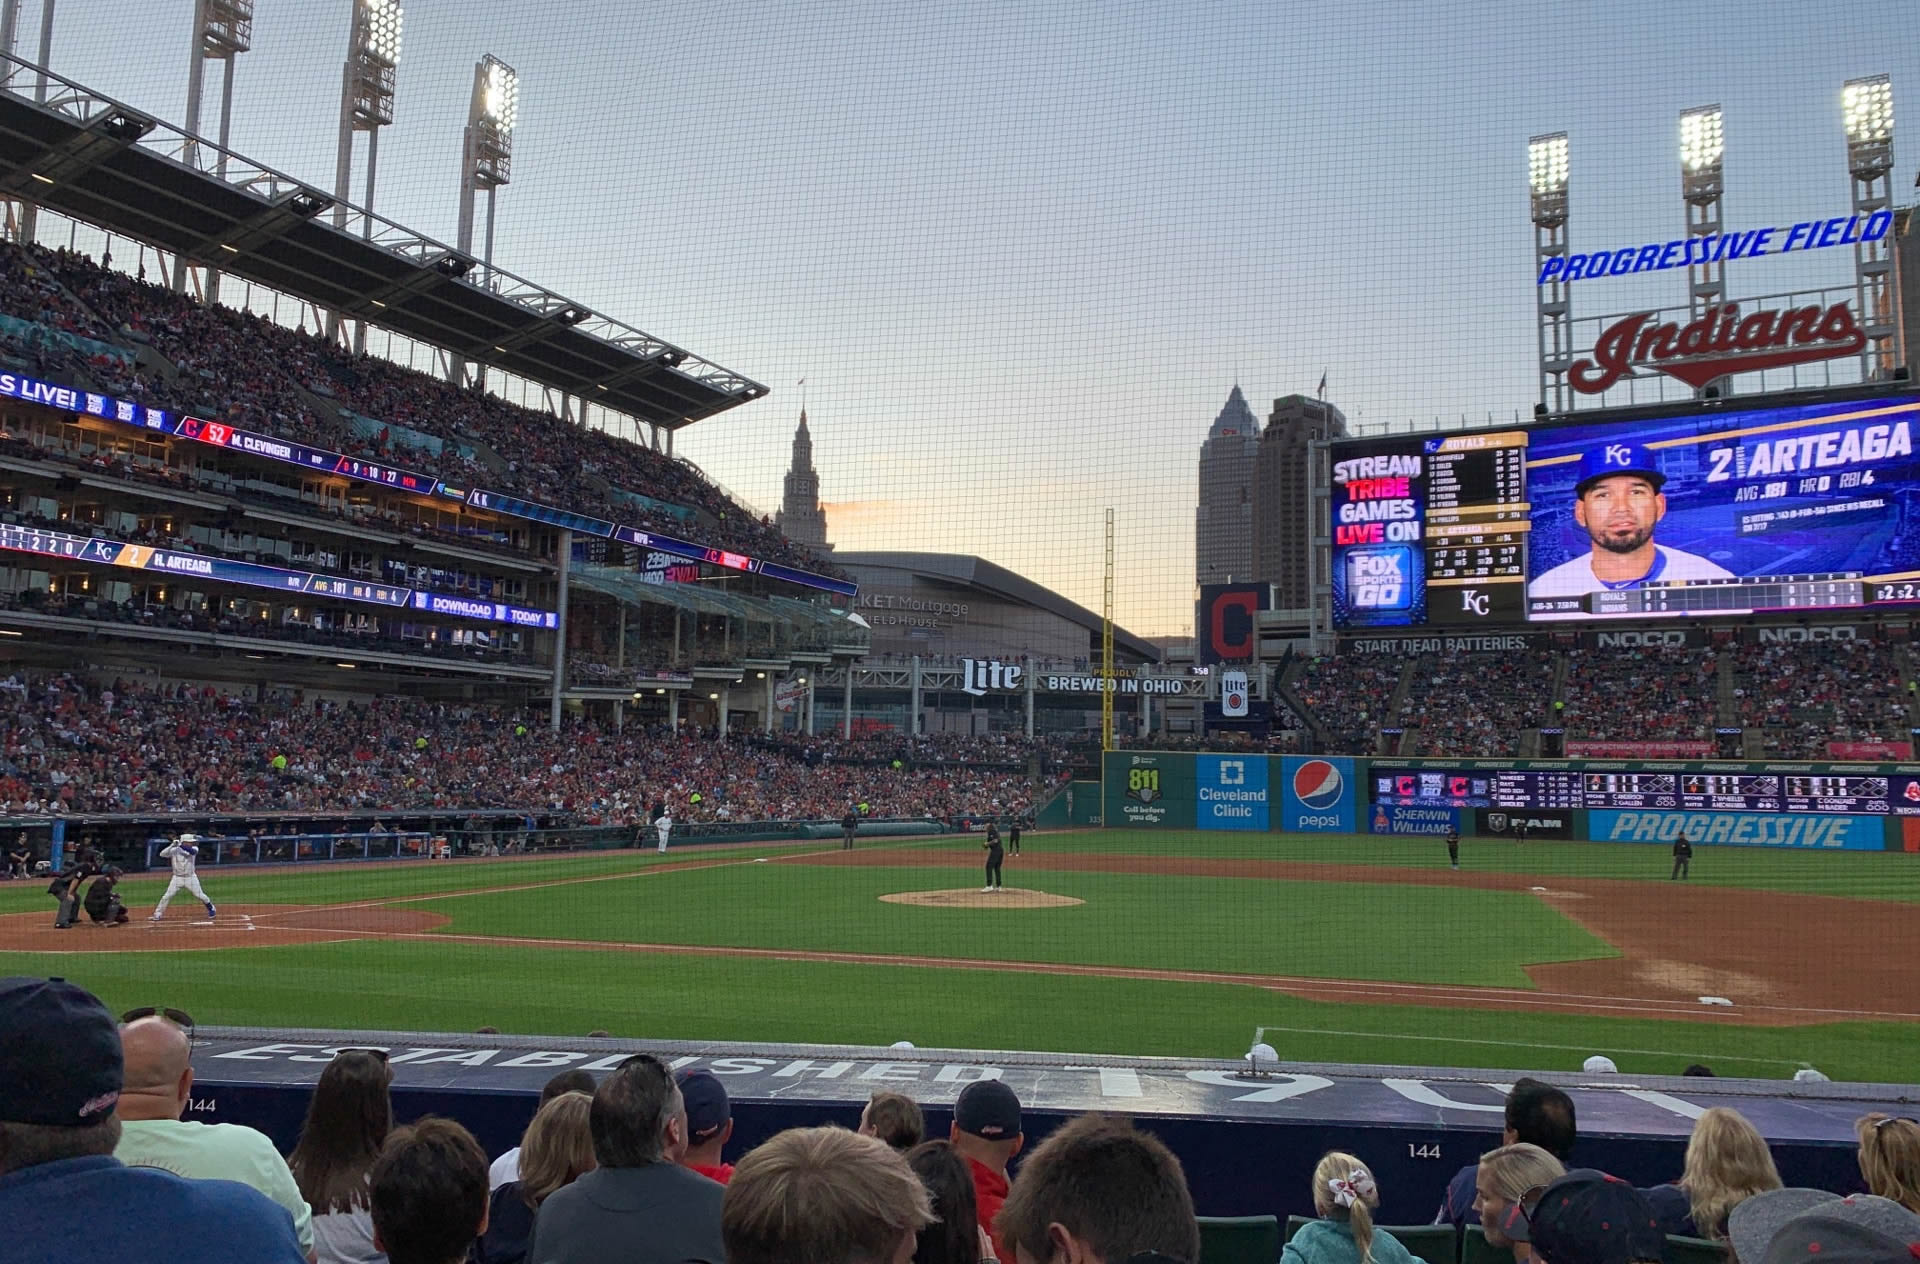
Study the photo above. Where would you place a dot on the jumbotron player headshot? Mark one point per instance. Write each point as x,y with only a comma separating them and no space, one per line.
1619,502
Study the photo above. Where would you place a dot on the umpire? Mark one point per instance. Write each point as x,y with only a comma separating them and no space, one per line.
849,826
66,886
1682,856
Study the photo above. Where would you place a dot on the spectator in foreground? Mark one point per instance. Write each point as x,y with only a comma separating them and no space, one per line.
955,1235
1098,1191
1588,1217
709,1124
556,1152
895,1118
826,1195
1537,1114
1345,1198
429,1193
1502,1182
1760,1223
507,1166
1890,1157
986,1133
639,1206
348,1120
1814,1238
1727,1163
156,1051
64,1198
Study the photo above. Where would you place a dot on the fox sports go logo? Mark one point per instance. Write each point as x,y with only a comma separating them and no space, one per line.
1318,785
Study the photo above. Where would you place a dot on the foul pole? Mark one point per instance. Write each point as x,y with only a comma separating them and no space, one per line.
1106,647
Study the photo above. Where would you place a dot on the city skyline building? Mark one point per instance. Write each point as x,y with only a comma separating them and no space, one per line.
1223,518
1283,497
800,517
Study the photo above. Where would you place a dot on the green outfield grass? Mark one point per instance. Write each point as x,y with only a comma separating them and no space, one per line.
1381,930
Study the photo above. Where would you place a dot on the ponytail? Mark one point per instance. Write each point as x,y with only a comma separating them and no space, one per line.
1361,1221
1343,1189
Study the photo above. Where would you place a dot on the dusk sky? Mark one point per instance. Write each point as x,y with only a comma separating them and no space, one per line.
1021,252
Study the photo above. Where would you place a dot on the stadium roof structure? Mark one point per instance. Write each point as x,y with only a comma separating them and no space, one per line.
96,160
977,573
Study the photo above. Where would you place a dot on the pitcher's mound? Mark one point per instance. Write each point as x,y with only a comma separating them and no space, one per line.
973,897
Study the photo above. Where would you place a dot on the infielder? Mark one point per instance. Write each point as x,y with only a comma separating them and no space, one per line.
185,853
664,826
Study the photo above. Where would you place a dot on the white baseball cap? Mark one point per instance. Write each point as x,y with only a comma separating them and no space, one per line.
1599,1064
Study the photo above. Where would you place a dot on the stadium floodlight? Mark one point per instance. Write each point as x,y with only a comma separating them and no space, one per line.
222,30
1701,140
1547,164
1867,105
366,105
486,163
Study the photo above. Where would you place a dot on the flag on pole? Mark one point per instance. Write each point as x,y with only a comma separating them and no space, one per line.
801,382
1323,383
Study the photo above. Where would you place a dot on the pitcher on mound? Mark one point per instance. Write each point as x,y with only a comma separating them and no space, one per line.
185,853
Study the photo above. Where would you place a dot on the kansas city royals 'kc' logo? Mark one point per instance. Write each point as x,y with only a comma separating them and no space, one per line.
1619,454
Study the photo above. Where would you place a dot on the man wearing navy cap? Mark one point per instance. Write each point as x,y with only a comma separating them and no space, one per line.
1618,502
986,1133
1588,1217
709,1124
63,1196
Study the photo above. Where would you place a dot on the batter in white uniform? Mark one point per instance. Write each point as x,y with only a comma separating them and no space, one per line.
184,852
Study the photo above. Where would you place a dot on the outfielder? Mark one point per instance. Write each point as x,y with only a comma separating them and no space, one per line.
185,853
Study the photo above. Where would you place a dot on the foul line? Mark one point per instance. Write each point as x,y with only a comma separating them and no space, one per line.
1259,1034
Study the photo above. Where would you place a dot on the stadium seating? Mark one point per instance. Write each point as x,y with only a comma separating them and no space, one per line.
1240,1239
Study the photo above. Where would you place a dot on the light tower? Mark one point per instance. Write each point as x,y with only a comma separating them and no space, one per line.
1867,105
1547,177
222,30
1701,147
486,158
366,105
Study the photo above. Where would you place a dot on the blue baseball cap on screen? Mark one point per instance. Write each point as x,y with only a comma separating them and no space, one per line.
1618,458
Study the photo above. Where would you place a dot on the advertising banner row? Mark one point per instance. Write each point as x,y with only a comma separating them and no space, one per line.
1348,795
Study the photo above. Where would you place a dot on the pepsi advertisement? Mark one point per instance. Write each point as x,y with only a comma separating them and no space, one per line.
1725,513
1317,794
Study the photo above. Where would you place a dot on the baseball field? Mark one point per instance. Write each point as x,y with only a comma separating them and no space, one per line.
1329,948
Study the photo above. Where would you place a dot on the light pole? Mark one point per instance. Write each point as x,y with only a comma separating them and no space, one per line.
486,160
1701,147
1867,105
366,105
222,30
1547,180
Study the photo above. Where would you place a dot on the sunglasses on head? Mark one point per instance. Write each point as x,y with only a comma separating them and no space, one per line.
1878,1124
178,1017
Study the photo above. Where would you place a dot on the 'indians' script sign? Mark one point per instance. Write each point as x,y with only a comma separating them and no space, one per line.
1717,343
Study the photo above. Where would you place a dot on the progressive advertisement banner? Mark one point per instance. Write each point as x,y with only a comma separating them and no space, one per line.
1317,794
1800,832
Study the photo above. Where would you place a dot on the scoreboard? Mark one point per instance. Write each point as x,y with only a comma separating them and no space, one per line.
1523,789
1430,530
1689,514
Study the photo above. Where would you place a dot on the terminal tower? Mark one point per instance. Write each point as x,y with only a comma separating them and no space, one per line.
801,519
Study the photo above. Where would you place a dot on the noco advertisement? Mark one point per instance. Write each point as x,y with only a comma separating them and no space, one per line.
1796,509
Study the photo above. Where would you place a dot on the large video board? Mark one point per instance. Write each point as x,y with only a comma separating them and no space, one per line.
1802,508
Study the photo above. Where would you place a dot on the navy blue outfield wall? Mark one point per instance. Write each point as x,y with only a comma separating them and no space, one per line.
1248,1144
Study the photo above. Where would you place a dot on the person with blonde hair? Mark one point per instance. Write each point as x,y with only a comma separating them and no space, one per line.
1345,1198
555,1152
1890,1157
1727,1163
1502,1185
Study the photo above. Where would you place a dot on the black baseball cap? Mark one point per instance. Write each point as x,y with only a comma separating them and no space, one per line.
60,1064
988,1108
1588,1217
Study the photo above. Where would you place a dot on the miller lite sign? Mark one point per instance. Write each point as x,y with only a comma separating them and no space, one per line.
1233,695
1715,344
